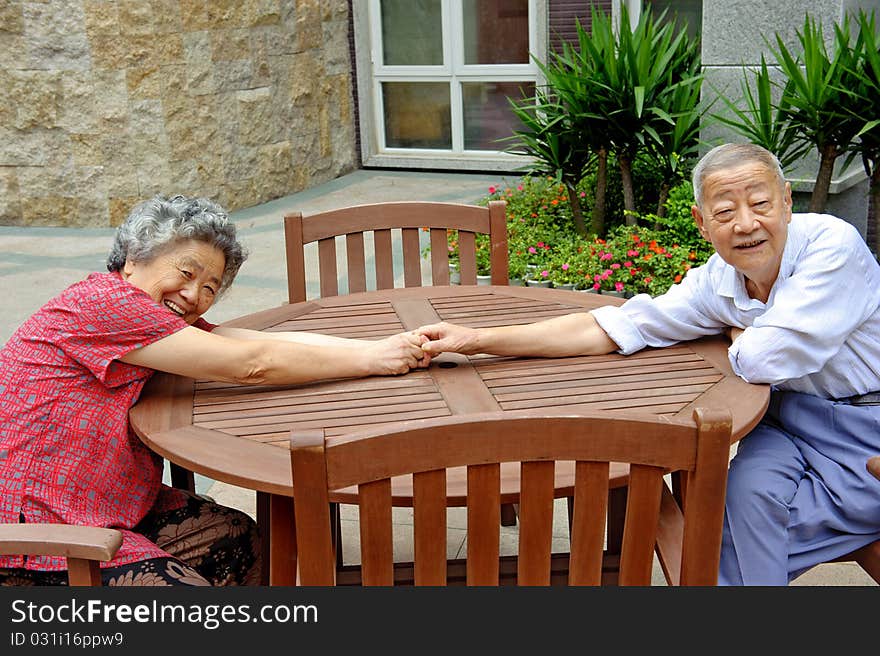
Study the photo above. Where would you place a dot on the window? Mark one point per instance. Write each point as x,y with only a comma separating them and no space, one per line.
436,83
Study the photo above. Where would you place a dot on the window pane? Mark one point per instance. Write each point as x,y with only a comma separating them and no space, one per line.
687,13
412,33
417,115
496,31
487,115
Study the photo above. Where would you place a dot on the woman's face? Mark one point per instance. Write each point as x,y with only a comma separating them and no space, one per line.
185,278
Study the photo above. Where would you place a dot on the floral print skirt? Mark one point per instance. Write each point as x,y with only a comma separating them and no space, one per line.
210,544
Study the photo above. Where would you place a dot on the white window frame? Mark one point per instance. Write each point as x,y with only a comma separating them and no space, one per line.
371,73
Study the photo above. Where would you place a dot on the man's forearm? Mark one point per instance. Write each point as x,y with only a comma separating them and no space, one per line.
572,334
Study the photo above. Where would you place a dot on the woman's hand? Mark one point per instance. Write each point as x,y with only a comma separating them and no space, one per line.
397,354
450,337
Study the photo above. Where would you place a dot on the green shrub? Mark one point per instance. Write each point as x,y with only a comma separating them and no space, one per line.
634,259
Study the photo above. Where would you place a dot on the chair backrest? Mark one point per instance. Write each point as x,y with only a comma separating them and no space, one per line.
83,546
380,219
654,447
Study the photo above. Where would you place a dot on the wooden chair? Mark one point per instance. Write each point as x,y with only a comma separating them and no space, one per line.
688,544
83,546
380,219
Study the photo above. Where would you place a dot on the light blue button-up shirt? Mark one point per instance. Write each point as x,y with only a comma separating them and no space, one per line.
818,333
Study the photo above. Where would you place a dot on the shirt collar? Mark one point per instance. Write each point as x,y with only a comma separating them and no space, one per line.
732,283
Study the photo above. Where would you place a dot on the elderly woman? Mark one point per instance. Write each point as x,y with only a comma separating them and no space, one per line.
72,371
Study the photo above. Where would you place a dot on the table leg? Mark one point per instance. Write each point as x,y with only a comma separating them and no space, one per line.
616,518
263,525
282,541
508,514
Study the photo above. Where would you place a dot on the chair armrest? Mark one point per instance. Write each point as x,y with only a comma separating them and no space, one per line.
86,542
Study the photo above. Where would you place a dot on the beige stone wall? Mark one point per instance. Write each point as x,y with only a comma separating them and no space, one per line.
106,102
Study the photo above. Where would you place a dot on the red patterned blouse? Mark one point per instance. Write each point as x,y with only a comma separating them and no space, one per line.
67,453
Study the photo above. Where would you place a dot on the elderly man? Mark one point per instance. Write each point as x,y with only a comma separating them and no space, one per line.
799,296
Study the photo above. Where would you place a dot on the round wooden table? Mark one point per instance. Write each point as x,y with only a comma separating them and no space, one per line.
240,434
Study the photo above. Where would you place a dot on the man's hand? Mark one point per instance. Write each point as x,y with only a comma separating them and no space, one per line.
397,354
733,332
443,336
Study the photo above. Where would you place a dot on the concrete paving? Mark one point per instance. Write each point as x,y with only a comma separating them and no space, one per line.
38,263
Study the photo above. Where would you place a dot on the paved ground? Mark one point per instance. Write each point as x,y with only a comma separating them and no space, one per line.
37,263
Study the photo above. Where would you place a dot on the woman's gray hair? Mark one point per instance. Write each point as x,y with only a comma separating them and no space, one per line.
161,222
729,156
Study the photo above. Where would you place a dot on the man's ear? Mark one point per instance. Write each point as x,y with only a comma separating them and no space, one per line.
698,219
786,198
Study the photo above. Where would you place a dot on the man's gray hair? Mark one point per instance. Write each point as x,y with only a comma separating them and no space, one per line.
161,222
732,155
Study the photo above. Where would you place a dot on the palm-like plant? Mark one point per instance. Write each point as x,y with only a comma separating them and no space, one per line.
815,99
548,135
761,119
866,110
654,67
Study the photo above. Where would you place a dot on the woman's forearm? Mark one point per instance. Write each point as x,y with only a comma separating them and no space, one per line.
316,339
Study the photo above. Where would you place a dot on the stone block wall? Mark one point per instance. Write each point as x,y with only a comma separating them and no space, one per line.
104,103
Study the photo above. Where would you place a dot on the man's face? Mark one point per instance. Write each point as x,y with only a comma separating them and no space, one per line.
745,215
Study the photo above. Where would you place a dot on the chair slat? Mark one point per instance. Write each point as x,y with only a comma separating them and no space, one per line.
429,527
384,259
296,263
377,545
498,255
327,267
439,256
357,270
412,267
484,523
588,523
535,523
467,257
640,527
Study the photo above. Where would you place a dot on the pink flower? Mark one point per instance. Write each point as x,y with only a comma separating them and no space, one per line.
519,187
632,253
597,278
491,190
606,256
583,194
615,266
628,264
618,286
565,267
596,285
545,273
540,244
532,250
605,275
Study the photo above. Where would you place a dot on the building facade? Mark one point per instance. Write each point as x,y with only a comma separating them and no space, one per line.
106,102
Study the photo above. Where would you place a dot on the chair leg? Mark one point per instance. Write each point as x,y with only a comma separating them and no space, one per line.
336,531
868,557
263,525
81,572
